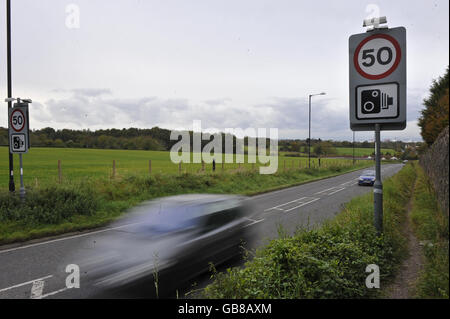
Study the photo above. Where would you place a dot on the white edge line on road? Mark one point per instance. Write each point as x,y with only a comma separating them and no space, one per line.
53,293
65,238
25,283
254,222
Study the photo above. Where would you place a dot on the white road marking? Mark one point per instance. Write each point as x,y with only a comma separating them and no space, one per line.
300,201
338,190
53,293
25,283
311,201
349,183
65,238
333,189
37,289
253,222
284,204
325,190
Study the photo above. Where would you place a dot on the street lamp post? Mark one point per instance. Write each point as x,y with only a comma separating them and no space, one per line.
309,139
12,187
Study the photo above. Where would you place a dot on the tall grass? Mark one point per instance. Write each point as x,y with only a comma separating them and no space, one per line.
431,227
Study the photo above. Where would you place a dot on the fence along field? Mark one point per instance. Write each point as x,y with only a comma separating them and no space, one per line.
41,164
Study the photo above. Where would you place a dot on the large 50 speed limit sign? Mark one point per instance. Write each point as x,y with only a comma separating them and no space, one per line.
377,56
18,130
377,62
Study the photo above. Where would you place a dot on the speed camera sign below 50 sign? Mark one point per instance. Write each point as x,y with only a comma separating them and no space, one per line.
378,79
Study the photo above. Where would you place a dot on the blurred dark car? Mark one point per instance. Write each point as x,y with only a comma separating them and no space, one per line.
367,178
170,239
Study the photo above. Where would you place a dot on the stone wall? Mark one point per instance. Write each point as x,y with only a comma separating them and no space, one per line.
435,164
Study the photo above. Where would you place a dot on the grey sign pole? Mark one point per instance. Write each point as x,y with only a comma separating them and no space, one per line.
377,63
378,186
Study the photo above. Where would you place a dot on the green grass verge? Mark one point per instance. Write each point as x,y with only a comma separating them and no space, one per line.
92,202
431,227
328,262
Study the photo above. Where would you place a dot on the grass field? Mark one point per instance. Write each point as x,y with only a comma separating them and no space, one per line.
41,164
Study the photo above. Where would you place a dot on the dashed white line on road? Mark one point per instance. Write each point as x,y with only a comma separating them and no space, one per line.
302,201
332,189
338,190
303,204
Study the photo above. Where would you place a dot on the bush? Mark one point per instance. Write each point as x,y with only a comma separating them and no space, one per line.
51,205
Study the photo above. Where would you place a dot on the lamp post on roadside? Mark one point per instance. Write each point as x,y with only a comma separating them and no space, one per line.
309,139
12,186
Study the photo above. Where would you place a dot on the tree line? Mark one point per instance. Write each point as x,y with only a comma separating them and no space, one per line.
154,139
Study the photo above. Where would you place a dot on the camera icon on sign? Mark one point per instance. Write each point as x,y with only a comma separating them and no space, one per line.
373,101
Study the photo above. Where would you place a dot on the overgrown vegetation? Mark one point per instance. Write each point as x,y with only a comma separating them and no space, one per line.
328,262
431,227
85,203
434,117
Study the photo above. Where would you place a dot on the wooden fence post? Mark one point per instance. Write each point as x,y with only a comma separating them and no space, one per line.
150,167
59,172
114,169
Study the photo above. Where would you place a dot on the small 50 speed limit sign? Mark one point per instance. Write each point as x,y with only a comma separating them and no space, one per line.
18,130
17,120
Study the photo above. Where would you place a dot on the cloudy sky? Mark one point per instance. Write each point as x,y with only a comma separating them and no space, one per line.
142,63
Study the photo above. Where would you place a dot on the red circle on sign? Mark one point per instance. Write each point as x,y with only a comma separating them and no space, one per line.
10,120
388,72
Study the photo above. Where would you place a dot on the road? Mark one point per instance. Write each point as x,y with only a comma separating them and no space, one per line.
38,270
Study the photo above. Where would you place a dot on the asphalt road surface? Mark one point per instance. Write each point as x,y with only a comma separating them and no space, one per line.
38,269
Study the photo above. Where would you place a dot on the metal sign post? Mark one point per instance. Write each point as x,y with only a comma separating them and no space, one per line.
377,62
378,185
